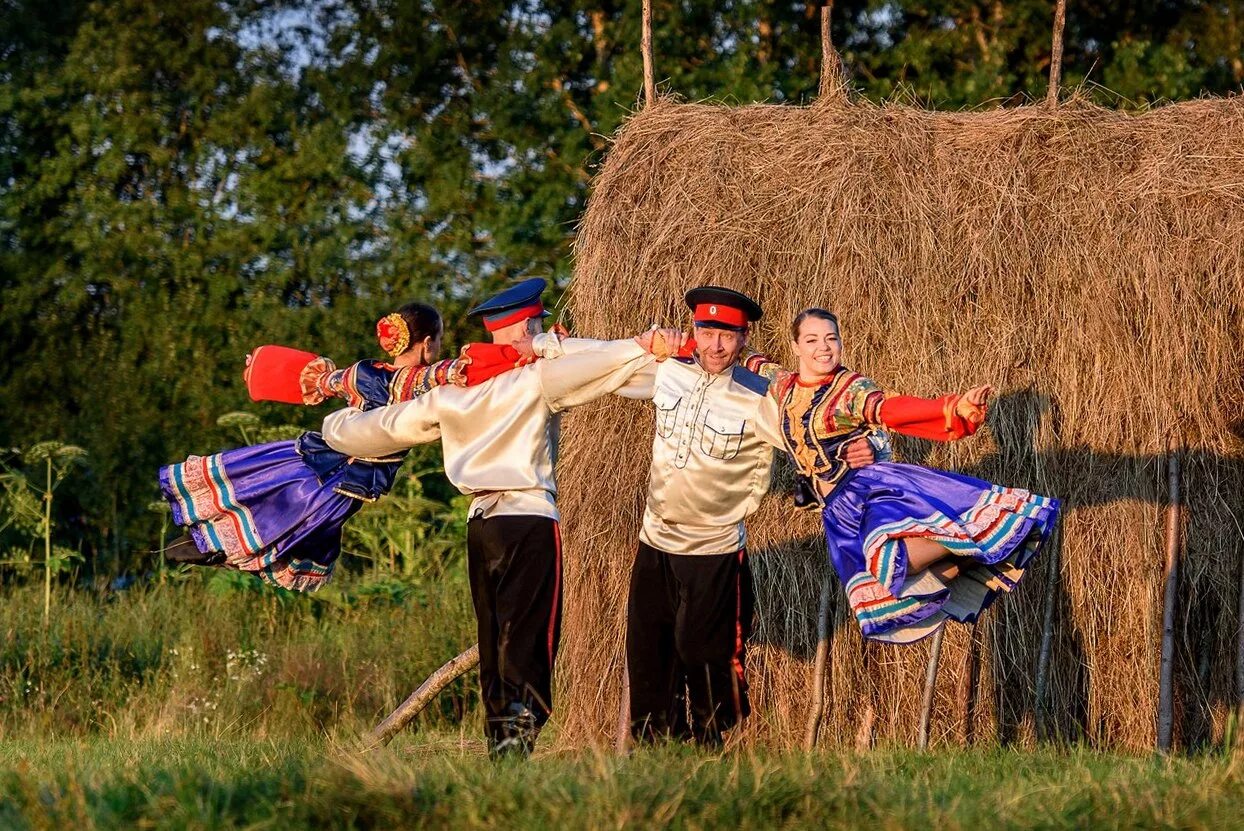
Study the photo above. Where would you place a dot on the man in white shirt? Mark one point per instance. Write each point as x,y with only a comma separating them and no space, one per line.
500,444
689,609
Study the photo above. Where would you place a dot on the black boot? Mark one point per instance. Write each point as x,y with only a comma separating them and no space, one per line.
514,734
184,551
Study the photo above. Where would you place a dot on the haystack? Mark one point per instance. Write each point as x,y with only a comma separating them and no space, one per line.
1088,263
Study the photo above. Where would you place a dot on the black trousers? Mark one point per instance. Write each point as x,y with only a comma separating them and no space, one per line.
688,618
515,566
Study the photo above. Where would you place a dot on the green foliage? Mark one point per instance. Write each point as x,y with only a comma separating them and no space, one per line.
409,534
179,186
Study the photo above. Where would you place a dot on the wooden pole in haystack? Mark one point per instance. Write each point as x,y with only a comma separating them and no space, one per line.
819,667
1056,55
622,735
930,682
1040,696
650,85
833,77
1239,664
1166,686
971,679
422,697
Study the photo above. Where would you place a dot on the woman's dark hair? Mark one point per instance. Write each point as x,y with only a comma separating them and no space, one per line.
819,314
422,320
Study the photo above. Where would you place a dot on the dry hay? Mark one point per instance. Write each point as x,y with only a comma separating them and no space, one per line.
1087,262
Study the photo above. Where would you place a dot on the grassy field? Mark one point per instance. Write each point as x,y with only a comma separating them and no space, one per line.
209,702
215,653
445,780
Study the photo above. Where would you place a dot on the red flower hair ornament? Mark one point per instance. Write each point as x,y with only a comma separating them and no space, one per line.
393,334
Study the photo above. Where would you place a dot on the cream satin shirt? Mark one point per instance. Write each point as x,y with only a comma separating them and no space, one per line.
500,437
712,453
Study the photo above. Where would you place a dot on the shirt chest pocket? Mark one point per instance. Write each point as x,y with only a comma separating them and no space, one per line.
666,402
722,436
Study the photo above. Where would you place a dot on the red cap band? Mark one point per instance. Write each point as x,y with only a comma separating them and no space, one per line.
513,316
719,313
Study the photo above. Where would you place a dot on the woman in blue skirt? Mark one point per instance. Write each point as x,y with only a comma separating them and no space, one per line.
277,509
912,546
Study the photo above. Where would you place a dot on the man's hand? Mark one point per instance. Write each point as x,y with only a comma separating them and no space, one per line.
525,348
972,404
859,453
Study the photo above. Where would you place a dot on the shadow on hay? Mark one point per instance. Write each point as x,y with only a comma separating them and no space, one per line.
1204,620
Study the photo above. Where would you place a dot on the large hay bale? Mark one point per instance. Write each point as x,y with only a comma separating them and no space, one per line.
1089,263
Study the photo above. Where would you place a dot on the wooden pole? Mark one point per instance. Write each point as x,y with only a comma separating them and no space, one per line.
833,79
622,735
423,696
930,682
1239,661
650,86
1056,55
971,678
1040,704
1166,692
816,710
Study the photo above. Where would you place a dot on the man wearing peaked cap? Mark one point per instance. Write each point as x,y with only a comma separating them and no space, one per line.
499,440
716,308
689,608
519,304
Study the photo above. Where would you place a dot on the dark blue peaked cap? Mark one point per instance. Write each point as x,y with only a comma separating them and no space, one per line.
518,302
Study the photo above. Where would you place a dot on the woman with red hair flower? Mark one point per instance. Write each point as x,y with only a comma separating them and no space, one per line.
277,509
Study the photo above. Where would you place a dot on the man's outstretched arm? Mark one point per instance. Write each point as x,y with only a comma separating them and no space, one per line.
385,430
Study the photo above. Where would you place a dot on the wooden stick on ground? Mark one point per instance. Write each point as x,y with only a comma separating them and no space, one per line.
930,682
422,697
1166,691
817,710
1056,56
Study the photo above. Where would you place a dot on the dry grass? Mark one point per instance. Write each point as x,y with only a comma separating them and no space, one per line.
1089,263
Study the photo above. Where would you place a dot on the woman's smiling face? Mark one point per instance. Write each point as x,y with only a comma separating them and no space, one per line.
818,348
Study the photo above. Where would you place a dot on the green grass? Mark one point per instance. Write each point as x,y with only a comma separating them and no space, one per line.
217,654
444,780
212,702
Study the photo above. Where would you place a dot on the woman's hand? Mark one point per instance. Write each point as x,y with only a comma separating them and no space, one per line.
662,342
777,386
972,405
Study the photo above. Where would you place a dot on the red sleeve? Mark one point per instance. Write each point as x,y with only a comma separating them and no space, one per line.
488,360
928,418
273,373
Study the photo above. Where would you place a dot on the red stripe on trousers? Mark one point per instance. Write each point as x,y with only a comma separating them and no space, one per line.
557,590
738,617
